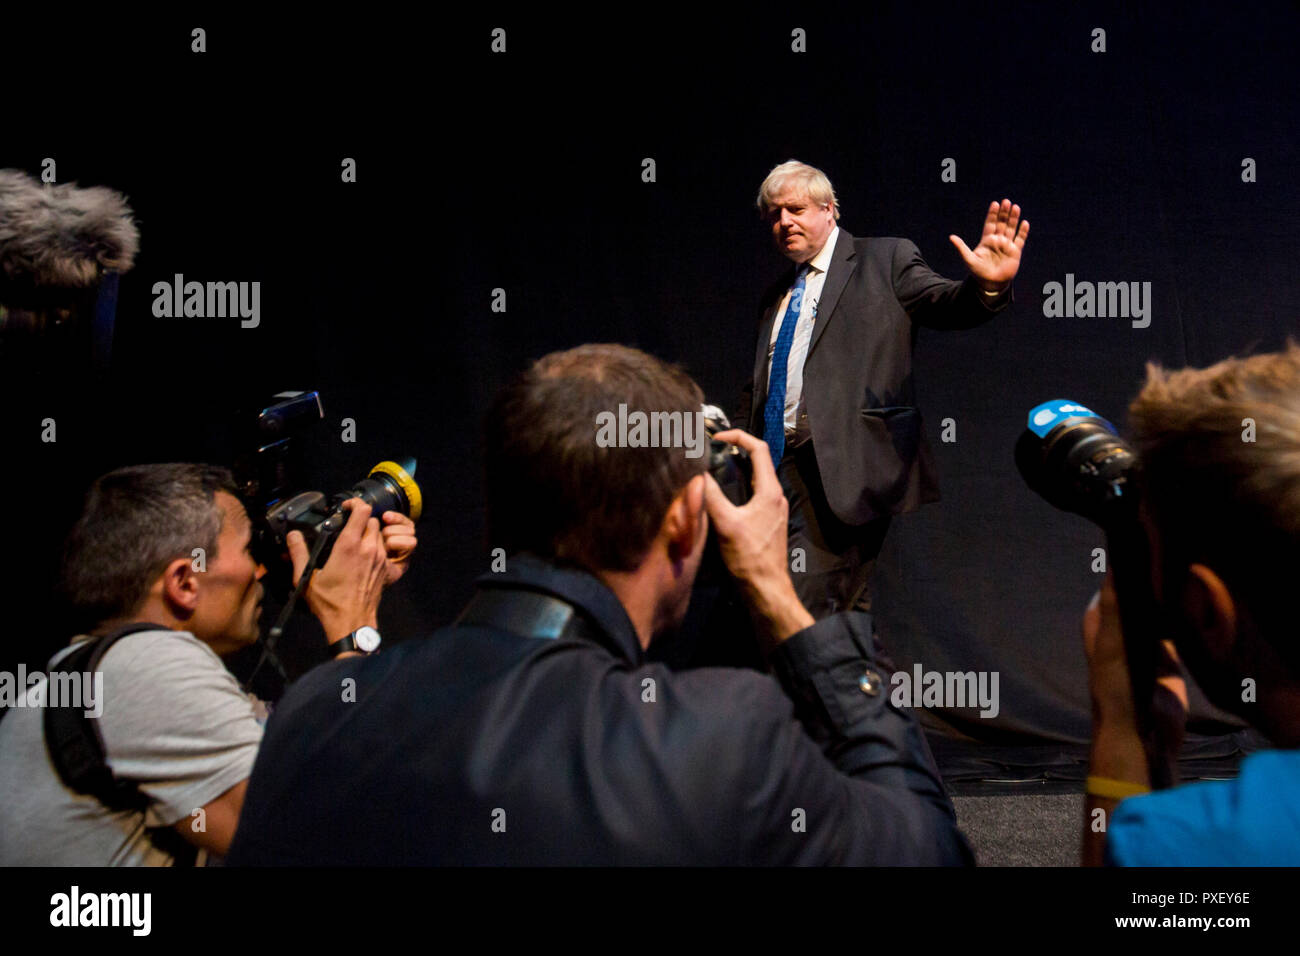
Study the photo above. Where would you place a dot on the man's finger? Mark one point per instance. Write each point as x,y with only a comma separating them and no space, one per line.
964,249
1106,596
297,553
717,503
358,515
1023,234
372,538
991,220
1176,687
1172,653
1091,624
1013,222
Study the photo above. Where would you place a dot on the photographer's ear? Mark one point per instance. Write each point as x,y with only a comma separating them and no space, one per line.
687,523
180,587
1209,609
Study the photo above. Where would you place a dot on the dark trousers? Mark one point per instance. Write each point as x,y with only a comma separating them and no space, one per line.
831,562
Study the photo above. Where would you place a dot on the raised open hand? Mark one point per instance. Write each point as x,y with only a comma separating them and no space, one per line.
996,260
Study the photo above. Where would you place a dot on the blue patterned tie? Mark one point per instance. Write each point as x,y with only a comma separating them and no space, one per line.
774,410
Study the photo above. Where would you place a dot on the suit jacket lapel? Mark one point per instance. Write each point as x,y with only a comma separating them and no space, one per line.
843,262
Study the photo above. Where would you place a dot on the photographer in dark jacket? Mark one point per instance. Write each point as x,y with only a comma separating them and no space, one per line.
533,731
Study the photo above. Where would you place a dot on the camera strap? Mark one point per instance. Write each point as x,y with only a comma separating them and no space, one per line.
76,747
524,613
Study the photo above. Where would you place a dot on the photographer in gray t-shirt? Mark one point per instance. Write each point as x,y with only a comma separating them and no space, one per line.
172,718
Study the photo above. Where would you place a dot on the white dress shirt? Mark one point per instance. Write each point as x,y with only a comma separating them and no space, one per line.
803,329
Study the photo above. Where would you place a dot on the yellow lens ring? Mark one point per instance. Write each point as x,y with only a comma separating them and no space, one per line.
404,481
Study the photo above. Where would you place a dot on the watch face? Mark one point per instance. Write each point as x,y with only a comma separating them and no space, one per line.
367,639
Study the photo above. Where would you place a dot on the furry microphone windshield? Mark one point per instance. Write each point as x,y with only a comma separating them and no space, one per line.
62,249
62,236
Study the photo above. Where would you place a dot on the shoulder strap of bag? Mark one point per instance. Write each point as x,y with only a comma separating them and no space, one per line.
76,746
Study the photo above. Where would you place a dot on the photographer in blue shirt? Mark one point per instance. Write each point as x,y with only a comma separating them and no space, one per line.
1220,453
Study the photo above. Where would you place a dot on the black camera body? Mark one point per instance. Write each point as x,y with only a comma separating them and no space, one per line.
388,487
717,631
729,464
267,473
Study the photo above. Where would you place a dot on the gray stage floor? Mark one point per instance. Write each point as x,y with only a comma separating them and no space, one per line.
1022,829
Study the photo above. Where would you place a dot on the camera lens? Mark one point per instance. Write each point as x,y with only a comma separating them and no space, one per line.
390,487
1080,465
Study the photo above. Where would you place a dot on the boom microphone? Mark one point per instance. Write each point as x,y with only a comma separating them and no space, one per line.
62,249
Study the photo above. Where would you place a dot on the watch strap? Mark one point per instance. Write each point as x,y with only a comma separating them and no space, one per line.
349,643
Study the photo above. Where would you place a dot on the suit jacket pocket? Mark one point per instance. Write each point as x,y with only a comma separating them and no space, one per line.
902,423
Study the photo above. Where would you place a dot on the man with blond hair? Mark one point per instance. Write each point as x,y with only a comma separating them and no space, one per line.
1219,450
832,391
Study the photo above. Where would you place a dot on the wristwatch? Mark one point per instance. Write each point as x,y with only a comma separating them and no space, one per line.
364,639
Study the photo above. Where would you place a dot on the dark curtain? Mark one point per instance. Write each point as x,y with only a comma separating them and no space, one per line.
522,172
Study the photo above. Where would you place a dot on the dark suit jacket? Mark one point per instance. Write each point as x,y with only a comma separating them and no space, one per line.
857,379
589,755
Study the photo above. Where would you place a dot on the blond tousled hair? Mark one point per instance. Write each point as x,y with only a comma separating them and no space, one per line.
809,179
1220,458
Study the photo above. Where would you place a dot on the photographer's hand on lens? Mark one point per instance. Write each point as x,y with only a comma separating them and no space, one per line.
1115,724
399,544
1103,644
752,540
344,594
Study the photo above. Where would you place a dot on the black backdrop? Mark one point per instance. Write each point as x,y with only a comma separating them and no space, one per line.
522,171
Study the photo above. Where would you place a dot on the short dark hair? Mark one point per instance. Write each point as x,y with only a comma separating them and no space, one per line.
552,489
1220,455
135,521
